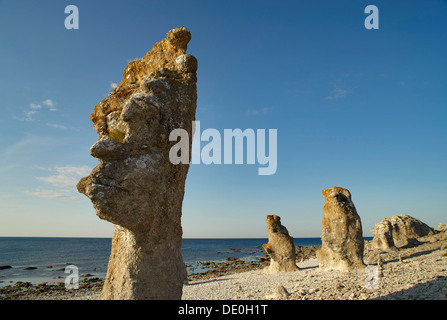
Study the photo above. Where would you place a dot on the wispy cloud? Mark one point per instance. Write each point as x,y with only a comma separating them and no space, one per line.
29,115
61,183
33,108
257,112
338,93
50,104
56,126
53,194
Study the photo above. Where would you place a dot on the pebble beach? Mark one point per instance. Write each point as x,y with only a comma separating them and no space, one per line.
416,272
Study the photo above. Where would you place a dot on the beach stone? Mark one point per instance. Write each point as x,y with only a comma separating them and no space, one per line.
135,186
398,231
341,235
280,247
279,293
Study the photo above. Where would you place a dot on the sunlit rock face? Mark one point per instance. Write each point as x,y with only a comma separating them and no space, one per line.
398,231
280,247
135,186
341,235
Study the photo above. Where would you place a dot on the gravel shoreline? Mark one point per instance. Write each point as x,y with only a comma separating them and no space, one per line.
417,272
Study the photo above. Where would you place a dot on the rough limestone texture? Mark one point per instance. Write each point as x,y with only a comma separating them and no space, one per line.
280,247
342,236
442,227
383,235
398,231
135,186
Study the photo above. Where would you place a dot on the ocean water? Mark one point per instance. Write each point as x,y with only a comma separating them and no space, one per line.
50,256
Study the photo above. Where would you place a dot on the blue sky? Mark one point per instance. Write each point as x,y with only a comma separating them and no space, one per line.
355,108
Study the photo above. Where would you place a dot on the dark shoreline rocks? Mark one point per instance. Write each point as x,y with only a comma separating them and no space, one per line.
306,252
5,267
29,291
93,285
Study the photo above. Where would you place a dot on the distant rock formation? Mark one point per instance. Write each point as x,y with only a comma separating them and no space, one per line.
280,247
383,235
135,186
398,231
306,252
442,227
341,236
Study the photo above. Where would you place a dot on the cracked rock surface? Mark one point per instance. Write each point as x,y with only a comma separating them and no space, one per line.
135,186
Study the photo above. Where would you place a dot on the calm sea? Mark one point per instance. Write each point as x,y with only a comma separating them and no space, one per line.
49,256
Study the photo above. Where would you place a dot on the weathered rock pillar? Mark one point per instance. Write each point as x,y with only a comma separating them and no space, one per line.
280,247
341,235
135,186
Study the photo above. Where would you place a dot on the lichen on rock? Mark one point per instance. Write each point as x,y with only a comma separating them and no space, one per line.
341,235
135,186
398,231
280,247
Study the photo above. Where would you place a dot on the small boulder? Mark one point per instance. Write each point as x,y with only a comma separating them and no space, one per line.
279,293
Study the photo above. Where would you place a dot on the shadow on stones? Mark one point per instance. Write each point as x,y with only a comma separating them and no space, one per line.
412,243
431,290
208,281
308,268
414,255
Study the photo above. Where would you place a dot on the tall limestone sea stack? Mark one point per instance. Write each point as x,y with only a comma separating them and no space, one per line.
280,247
342,236
135,186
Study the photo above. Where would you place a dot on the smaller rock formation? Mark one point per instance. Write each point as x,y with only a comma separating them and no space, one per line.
383,235
341,235
280,247
306,252
399,231
442,227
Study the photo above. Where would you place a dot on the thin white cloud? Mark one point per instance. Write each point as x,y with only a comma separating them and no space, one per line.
29,115
48,103
257,112
33,108
31,145
52,194
56,125
337,93
62,182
